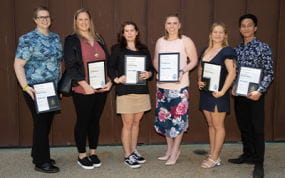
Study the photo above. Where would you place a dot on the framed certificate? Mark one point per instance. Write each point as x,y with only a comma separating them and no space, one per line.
211,76
46,99
134,65
248,80
168,67
96,74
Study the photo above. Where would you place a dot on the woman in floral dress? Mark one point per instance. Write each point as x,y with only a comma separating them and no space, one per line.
172,98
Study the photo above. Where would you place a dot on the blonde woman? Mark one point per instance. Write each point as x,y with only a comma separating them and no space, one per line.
215,105
84,46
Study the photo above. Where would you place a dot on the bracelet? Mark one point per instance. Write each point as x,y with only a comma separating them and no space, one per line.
181,70
25,87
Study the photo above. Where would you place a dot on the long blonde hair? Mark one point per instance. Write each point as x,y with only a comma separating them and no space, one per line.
225,41
75,28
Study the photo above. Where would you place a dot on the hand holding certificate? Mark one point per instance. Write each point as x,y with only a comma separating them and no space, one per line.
248,80
134,66
211,76
46,99
168,67
96,74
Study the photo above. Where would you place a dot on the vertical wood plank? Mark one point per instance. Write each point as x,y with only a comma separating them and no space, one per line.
221,14
9,123
267,32
279,81
24,24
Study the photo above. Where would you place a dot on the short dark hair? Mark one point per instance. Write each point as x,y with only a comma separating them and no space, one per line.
248,16
37,9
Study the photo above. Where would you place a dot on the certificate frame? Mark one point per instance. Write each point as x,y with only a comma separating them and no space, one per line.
135,70
95,77
248,80
211,73
46,99
162,70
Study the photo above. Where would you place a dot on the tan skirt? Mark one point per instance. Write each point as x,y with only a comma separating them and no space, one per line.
133,103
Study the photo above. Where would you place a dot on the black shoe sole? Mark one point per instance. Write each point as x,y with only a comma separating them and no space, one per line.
46,171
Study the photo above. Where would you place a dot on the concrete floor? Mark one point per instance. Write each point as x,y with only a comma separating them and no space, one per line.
17,163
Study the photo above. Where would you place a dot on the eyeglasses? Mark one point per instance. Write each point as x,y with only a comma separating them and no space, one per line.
43,17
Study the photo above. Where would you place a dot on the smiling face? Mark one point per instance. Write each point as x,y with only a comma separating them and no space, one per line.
43,20
247,28
218,34
83,22
172,25
130,33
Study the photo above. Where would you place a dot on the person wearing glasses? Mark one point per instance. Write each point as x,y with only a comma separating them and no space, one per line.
37,60
81,47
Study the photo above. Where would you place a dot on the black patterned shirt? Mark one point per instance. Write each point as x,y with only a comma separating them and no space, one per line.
256,54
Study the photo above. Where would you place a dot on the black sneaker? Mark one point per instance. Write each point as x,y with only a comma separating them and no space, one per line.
138,157
85,163
132,162
95,160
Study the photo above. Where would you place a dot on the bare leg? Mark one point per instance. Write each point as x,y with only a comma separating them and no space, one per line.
211,130
175,150
218,124
169,142
135,130
92,151
127,133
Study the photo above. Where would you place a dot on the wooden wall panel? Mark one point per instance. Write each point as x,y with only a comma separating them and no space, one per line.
267,32
62,24
221,14
9,124
196,18
24,24
157,11
279,81
103,13
197,29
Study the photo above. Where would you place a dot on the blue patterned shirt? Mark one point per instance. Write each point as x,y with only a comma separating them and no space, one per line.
43,55
256,54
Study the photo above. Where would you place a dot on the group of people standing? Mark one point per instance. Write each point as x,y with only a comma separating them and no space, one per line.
38,59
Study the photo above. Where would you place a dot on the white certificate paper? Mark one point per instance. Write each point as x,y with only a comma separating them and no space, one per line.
134,64
96,74
45,97
212,72
168,67
247,76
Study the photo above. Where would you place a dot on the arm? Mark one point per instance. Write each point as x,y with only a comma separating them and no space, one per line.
72,67
191,53
267,70
21,76
200,83
231,68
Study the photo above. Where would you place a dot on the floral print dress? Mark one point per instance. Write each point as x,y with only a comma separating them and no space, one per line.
171,113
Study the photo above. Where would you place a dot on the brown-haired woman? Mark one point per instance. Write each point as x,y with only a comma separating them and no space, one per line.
215,105
83,46
132,100
37,60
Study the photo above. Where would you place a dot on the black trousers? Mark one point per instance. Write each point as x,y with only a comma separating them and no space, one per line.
88,110
250,119
41,129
